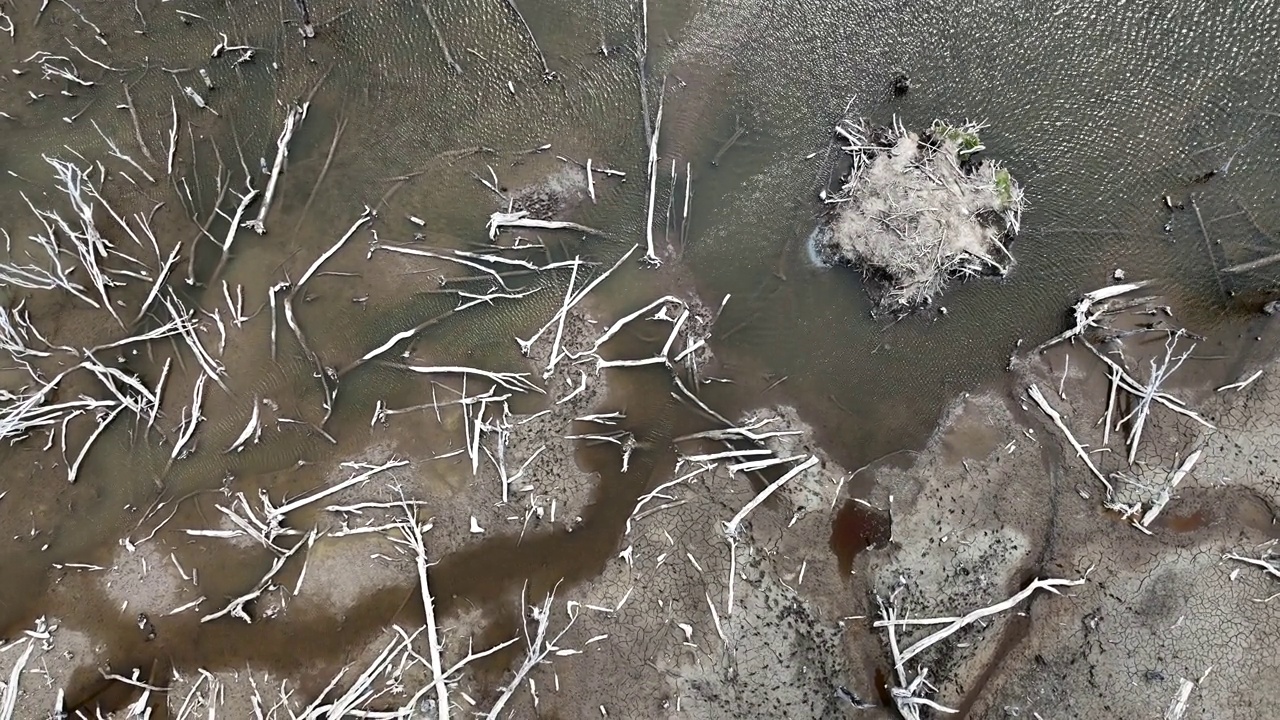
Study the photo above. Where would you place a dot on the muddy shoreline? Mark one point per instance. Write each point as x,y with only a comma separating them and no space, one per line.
995,521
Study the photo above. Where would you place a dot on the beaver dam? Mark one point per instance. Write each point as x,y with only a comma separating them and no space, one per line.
919,209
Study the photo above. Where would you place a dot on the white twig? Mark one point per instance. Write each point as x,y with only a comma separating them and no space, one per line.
525,345
731,527
236,607
173,135
518,382
1166,493
519,219
115,151
1111,404
189,427
1085,314
365,217
539,648
1159,373
1178,707
563,313
291,121
1039,398
84,451
1270,567
235,226
1050,584
10,698
1135,387
1241,384
250,430
617,326
412,532
650,256
753,465
274,514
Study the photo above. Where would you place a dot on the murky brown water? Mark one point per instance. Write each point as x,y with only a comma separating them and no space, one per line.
1099,111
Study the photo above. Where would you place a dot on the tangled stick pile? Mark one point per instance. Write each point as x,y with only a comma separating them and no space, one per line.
917,210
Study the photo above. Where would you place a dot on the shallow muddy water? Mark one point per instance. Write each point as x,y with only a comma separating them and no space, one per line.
1100,111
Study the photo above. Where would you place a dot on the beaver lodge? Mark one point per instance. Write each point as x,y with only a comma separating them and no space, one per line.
917,210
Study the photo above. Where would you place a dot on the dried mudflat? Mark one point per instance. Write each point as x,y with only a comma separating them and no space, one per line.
643,604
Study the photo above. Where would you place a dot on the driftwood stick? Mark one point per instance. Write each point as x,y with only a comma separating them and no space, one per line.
546,71
84,451
650,256
1085,314
188,428
1158,375
1241,384
203,230
517,382
1039,398
688,193
1050,584
9,701
444,47
365,217
294,118
115,151
1264,562
525,345
181,314
392,342
538,647
1167,492
908,695
555,343
251,430
236,607
731,527
324,170
1111,404
1137,388
412,532
245,201
274,515
1208,247
669,222
137,128
1253,264
461,260
519,219
618,324
1178,706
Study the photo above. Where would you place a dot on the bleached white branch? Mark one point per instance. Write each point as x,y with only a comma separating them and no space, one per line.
1056,417
731,527
292,119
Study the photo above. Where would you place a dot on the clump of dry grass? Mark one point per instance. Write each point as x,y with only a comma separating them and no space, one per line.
917,210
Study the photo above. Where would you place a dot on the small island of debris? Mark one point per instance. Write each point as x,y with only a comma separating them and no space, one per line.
917,210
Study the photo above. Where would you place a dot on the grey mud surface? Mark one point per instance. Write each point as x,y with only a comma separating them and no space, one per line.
1155,609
